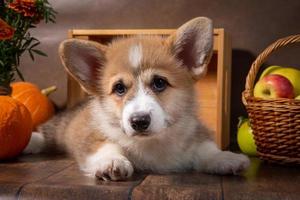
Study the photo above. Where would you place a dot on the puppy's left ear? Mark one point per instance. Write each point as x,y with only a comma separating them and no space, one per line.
192,45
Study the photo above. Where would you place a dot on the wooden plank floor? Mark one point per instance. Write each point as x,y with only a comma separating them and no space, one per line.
57,177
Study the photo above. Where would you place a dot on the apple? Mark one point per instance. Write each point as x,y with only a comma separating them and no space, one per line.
298,97
245,137
292,74
253,170
274,86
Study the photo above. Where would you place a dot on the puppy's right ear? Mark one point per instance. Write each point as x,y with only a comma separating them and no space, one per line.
84,61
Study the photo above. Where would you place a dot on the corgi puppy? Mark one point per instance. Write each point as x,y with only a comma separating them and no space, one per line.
142,111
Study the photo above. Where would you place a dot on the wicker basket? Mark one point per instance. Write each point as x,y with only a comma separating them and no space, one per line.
276,122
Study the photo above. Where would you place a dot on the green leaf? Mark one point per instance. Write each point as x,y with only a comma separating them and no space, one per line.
11,50
17,60
39,52
242,119
31,54
34,45
20,74
27,43
52,20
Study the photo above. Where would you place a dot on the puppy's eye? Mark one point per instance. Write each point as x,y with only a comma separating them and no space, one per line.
120,89
159,84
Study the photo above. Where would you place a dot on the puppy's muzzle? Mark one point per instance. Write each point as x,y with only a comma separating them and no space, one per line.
140,121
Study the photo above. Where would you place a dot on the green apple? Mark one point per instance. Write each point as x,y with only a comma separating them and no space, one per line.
290,73
245,137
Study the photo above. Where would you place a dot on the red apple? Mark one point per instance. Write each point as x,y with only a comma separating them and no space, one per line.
274,86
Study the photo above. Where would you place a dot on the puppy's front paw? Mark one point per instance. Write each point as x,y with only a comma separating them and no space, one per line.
115,169
108,163
226,162
36,144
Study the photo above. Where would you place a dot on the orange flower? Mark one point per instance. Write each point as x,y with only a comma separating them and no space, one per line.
26,7
6,31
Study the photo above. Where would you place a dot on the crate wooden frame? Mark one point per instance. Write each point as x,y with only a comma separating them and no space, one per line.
222,52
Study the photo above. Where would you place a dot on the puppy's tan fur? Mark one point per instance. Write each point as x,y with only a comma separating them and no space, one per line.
98,133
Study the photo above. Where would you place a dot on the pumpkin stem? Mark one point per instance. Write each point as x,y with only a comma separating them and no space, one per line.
5,90
48,91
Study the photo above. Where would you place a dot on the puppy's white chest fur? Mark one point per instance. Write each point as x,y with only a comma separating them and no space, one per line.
160,156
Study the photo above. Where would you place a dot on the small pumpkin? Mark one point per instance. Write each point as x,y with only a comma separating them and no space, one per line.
35,100
15,127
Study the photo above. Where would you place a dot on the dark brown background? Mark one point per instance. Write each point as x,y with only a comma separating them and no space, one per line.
252,25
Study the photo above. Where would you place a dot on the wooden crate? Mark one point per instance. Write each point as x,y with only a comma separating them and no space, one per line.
214,88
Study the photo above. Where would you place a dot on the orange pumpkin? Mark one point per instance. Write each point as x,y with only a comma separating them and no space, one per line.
38,104
15,127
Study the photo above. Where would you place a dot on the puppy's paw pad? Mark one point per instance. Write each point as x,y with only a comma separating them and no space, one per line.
114,169
227,162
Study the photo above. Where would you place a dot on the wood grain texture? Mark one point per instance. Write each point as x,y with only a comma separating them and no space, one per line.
73,192
32,168
15,174
179,186
264,181
109,33
207,96
56,177
9,191
73,184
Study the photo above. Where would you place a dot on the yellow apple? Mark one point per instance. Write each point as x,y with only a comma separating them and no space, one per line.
245,137
269,70
290,73
298,97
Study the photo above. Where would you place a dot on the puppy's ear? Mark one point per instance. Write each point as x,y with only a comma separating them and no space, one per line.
84,61
192,44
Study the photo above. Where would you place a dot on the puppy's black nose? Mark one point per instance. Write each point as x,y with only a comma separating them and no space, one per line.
140,121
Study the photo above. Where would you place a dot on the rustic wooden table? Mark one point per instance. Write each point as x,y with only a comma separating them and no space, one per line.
57,177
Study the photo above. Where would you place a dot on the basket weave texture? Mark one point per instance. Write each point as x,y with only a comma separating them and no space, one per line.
275,122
